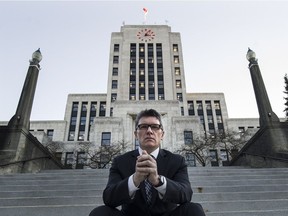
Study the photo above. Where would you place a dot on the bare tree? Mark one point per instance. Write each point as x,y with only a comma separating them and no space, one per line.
53,146
199,149
230,141
101,157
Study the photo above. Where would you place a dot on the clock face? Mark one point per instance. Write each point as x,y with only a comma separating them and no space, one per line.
146,35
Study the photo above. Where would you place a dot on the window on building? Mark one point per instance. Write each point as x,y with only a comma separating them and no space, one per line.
142,72
82,120
106,139
69,159
177,71
219,118
223,155
115,59
175,47
116,47
133,71
188,137
113,97
114,84
179,97
71,136
93,111
159,59
178,84
176,59
151,96
191,108
81,160
161,97
132,84
199,105
210,118
82,123
133,49
182,111
212,132
50,133
202,119
141,60
102,109
217,105
161,84
190,159
151,73
73,120
150,49
104,160
208,105
159,49
141,48
132,97
93,107
75,107
81,135
241,130
115,71
214,157
111,111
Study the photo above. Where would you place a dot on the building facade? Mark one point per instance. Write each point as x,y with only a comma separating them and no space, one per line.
146,70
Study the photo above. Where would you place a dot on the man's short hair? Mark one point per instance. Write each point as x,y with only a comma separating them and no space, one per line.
148,113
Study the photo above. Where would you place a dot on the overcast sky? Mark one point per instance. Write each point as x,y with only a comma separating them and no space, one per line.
74,37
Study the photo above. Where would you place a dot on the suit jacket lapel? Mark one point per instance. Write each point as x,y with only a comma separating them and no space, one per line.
162,161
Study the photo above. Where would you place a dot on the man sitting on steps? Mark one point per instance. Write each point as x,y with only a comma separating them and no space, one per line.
148,181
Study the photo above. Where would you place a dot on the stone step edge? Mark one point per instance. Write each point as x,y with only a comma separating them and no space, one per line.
100,195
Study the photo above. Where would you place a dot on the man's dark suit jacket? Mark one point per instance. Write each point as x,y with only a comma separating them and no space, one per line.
170,165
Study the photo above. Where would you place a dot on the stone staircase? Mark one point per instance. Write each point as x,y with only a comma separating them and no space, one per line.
222,191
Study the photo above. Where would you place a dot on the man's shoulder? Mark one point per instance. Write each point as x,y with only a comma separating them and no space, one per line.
125,155
168,153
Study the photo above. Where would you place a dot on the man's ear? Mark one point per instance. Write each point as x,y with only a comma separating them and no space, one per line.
162,134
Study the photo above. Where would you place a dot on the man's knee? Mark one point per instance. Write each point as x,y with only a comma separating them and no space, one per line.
104,211
193,209
196,208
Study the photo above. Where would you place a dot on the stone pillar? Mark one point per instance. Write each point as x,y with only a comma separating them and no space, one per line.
266,114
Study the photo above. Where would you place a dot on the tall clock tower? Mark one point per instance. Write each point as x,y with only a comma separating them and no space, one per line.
146,64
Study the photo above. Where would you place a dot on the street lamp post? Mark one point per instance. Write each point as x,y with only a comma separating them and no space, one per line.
266,114
21,119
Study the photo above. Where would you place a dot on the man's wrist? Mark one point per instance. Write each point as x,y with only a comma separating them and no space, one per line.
160,181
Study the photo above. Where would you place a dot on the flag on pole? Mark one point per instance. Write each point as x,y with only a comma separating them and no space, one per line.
145,13
145,10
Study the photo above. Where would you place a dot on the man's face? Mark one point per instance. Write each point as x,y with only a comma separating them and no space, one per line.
149,133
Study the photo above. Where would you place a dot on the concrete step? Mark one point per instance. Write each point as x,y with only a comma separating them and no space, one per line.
222,191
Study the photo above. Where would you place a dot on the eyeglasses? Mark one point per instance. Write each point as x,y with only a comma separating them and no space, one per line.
154,127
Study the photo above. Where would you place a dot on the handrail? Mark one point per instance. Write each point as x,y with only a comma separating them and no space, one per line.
24,161
266,156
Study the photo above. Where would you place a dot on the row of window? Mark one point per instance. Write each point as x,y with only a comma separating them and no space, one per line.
84,115
141,78
81,158
49,132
